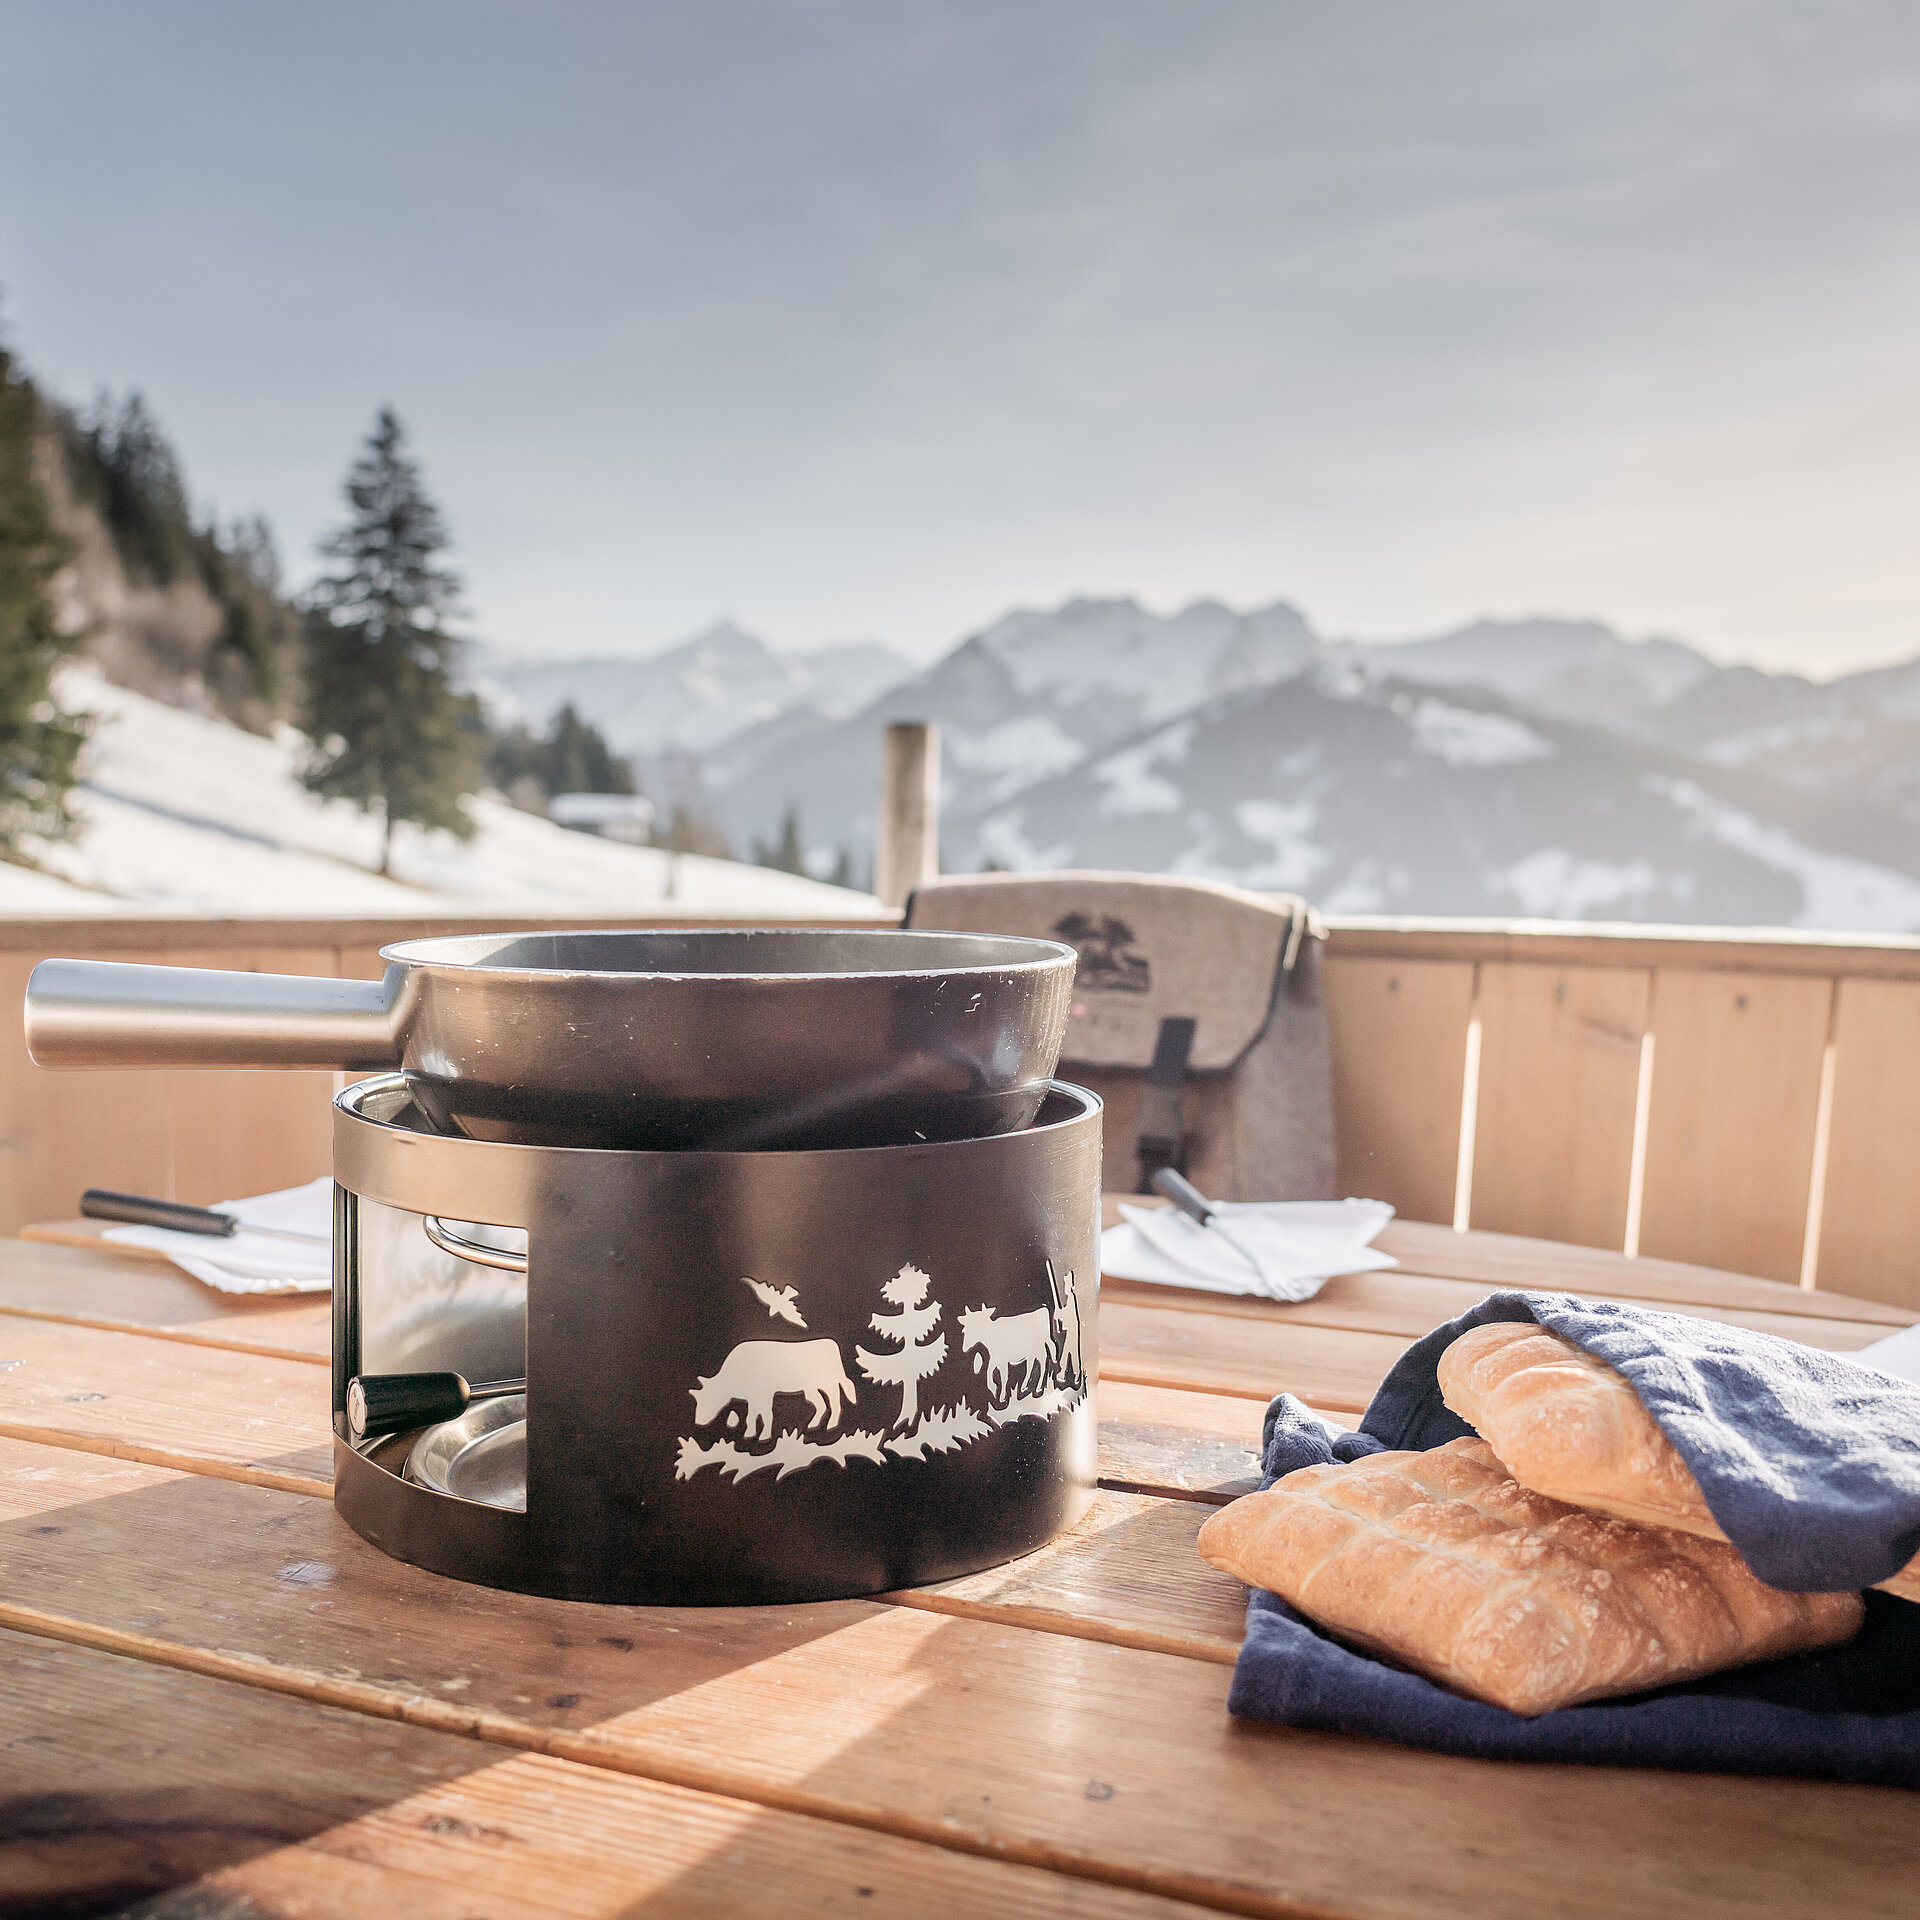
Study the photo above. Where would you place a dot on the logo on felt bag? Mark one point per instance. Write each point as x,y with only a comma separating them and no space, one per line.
1109,961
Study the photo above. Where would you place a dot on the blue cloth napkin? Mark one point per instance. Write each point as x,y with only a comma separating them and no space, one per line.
1809,1462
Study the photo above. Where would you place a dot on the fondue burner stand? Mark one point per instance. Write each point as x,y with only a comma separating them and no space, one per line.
749,1377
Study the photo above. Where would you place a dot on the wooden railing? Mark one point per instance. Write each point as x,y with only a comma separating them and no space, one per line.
1748,1101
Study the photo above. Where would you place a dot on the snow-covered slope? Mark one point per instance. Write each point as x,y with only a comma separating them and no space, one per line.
190,815
697,695
1389,797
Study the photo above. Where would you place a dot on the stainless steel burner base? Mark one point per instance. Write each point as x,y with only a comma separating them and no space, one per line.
482,1456
751,1377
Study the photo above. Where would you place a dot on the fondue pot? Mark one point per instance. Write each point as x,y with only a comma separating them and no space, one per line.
740,1039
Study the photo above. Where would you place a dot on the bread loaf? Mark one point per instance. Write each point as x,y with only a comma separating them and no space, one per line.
1443,1562
1567,1425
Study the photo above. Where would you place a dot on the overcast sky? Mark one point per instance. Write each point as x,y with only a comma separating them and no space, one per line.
871,320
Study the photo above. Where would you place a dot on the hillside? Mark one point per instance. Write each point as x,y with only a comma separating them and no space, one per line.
1392,798
189,613
187,814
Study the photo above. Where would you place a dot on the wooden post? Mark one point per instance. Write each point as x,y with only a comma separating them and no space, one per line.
907,843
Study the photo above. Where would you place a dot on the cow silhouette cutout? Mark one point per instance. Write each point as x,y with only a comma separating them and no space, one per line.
1018,1347
758,1372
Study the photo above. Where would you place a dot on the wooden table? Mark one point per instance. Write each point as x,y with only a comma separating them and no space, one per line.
209,1681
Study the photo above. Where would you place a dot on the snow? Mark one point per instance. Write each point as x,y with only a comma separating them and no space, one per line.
1131,785
1736,749
1016,753
1836,891
1554,884
1465,738
1295,859
1003,840
188,815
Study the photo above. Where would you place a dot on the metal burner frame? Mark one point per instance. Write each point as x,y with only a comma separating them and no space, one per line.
642,1485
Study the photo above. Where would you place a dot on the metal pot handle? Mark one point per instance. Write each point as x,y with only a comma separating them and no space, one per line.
477,1251
105,1013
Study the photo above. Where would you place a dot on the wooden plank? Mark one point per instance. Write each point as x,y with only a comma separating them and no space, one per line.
126,1782
241,1415
61,1133
1325,1366
130,1290
1127,1574
1504,1260
90,1237
243,1133
118,936
1561,943
1195,1446
1870,1225
1410,1304
1101,1761
1399,1055
1559,1067
1736,1086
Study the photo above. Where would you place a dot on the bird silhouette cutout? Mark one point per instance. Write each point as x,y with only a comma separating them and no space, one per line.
779,1302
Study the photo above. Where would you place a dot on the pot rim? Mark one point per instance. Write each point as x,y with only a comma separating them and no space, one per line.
1042,956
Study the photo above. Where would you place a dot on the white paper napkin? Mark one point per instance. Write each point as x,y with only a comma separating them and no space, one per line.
254,1262
1306,1241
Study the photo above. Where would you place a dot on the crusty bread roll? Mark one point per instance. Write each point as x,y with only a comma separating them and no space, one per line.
1444,1562
1567,1425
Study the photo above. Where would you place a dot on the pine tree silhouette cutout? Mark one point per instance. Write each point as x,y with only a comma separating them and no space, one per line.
915,1328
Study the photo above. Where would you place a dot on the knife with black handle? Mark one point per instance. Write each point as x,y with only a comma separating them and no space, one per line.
97,1203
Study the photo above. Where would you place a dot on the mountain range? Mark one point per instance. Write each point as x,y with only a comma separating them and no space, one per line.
1536,767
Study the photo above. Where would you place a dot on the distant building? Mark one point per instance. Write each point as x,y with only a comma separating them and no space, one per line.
613,816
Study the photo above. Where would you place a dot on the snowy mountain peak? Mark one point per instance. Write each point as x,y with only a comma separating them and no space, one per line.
698,695
1157,664
1577,669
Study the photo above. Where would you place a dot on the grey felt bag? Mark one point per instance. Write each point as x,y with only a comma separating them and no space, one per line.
1197,1017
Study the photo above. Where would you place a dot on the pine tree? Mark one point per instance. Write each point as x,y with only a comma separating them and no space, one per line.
38,745
579,759
573,757
391,731
787,857
915,1328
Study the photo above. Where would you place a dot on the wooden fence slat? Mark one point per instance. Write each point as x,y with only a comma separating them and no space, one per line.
1559,1065
241,1133
1736,1089
1870,1230
1399,1061
359,963
61,1133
